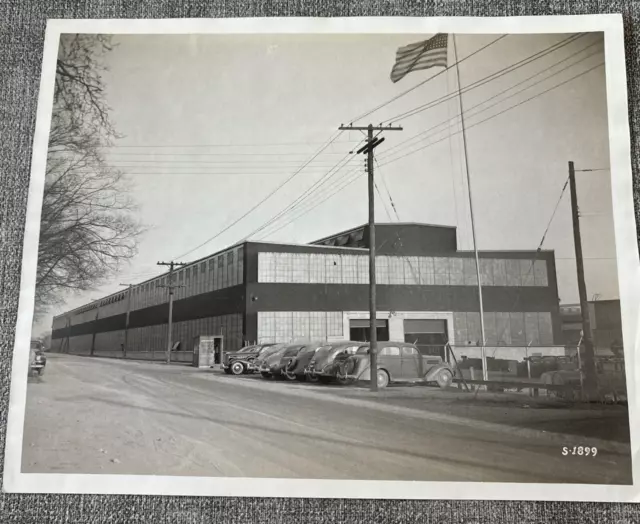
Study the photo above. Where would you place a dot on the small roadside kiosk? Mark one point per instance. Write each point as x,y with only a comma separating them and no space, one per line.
208,351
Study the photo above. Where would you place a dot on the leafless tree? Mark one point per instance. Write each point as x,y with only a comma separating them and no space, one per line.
88,224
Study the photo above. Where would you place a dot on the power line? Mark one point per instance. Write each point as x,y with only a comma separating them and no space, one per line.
255,144
263,200
493,76
393,99
403,145
301,198
499,113
224,154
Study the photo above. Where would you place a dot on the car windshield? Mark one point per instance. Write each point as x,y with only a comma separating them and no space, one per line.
248,349
35,344
362,349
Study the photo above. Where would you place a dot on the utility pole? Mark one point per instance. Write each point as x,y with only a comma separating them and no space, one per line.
368,148
95,328
126,324
587,339
170,286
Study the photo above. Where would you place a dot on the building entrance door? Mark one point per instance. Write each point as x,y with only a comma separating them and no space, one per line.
429,335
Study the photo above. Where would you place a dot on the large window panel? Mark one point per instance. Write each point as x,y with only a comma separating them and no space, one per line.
517,329
411,270
499,272
441,271
363,269
240,265
333,264
284,267
456,271
513,273
382,270
426,271
474,335
349,269
470,272
503,328
300,325
527,273
486,271
540,273
546,329
317,271
396,270
490,329
232,273
335,326
214,265
318,325
266,267
300,268
531,329
460,328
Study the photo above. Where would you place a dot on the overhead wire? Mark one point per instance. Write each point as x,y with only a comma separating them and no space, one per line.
264,199
400,95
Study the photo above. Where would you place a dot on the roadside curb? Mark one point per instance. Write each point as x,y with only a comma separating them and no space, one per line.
560,438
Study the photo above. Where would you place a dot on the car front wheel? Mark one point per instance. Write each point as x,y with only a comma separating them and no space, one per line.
237,368
383,378
444,378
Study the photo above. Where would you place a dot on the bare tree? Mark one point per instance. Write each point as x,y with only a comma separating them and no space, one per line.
88,224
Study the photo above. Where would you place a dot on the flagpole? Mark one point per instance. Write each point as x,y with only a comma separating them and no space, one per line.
485,375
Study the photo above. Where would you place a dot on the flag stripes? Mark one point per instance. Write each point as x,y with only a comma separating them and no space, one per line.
421,55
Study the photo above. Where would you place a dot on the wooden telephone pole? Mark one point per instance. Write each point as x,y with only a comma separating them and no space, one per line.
591,378
170,286
368,148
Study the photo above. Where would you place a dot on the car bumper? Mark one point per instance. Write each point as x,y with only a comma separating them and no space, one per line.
330,370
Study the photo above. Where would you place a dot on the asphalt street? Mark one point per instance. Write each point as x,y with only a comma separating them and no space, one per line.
100,416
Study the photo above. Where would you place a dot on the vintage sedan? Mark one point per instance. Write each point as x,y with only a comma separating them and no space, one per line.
396,362
294,366
241,361
325,363
273,366
264,355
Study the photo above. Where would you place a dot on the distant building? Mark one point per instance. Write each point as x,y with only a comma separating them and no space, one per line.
606,324
274,292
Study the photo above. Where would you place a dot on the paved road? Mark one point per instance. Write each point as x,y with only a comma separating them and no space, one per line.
107,416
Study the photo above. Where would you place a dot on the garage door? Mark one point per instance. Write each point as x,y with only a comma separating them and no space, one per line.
430,335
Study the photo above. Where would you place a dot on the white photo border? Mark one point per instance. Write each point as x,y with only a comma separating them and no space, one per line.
14,481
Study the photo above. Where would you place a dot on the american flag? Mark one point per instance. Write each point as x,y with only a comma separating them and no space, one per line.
422,55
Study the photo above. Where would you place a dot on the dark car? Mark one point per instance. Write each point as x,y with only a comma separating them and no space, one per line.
397,362
294,366
264,355
273,365
324,365
241,361
37,359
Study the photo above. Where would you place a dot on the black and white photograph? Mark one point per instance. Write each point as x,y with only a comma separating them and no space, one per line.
333,261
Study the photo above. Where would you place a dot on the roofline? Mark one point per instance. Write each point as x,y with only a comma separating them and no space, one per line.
312,246
383,224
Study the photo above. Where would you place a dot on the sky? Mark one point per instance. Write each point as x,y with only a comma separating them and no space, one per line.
214,124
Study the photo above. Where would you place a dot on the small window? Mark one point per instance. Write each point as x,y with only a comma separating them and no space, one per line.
390,351
202,267
230,257
408,351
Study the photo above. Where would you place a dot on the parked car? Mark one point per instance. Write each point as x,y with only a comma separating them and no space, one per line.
273,365
294,366
324,364
37,359
258,362
397,362
241,361
541,364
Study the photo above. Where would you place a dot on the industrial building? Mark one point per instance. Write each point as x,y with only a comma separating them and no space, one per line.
606,325
274,292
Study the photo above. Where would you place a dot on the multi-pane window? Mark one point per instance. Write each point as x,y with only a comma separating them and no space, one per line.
324,268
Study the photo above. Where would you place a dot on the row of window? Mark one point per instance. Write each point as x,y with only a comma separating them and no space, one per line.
287,326
501,329
218,272
154,338
354,269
